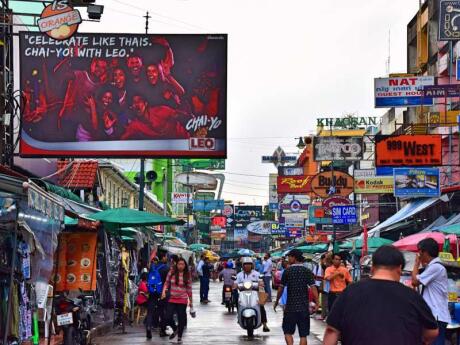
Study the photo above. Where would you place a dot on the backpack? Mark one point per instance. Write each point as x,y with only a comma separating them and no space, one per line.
154,282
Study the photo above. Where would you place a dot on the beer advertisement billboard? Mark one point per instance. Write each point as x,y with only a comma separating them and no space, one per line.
123,95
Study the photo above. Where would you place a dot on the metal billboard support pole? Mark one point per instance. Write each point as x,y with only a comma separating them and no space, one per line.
141,185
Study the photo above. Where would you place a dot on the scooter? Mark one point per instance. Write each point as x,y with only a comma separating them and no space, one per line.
230,298
72,317
249,317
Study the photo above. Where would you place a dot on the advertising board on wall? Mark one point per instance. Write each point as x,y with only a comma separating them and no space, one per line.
408,150
417,182
294,184
448,26
401,92
181,198
124,95
337,148
374,185
207,205
290,171
248,213
344,214
331,183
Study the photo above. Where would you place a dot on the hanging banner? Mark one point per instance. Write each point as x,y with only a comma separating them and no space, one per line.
417,182
449,29
294,184
77,262
337,148
332,183
408,150
123,95
401,92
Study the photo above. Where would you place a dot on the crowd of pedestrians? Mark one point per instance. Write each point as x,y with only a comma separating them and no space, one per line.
379,310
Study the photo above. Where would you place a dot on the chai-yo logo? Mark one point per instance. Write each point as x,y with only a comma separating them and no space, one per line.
59,20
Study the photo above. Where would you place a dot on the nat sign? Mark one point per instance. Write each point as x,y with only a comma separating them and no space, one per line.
294,184
408,150
123,95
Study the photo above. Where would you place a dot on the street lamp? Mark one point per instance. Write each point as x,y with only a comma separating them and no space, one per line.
301,145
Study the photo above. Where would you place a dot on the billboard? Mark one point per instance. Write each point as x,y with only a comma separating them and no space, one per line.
408,150
203,164
401,92
248,213
332,183
344,214
299,184
337,148
417,182
290,171
181,198
448,27
207,205
442,91
374,185
124,95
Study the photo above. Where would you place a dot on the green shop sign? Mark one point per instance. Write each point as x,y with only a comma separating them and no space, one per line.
347,122
204,164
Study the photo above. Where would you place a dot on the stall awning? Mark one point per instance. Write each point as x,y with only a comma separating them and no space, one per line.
407,211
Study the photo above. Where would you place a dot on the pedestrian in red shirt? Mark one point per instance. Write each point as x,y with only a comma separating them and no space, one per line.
179,286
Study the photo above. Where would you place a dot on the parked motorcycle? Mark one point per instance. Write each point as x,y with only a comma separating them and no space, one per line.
73,316
230,298
249,317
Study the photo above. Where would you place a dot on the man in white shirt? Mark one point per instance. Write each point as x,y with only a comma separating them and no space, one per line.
267,272
249,274
434,284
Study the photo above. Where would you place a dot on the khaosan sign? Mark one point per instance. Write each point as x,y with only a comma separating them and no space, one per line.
294,184
417,182
337,148
332,183
449,28
124,95
401,92
408,150
346,122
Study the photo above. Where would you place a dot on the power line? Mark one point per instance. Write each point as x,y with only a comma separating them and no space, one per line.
238,174
260,196
242,187
246,183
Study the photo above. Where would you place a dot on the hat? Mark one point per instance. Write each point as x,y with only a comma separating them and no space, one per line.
247,260
297,254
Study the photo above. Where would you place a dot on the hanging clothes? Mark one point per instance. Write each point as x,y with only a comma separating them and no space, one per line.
25,314
24,252
14,324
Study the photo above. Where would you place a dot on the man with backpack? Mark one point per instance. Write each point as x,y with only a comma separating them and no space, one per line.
156,306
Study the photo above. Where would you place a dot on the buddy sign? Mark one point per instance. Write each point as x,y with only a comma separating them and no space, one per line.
59,20
331,183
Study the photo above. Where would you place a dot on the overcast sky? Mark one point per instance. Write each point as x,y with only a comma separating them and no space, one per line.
289,62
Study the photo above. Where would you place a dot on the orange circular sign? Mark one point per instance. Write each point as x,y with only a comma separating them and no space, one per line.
330,183
59,20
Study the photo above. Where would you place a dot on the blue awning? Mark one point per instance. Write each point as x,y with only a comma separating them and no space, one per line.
407,211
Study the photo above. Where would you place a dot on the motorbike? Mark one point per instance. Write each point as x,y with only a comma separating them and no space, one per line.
229,298
249,317
73,316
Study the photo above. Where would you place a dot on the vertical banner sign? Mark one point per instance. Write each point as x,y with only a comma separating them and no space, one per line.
408,150
123,95
449,20
77,262
417,182
401,92
337,148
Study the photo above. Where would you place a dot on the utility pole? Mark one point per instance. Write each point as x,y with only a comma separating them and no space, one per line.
141,185
147,17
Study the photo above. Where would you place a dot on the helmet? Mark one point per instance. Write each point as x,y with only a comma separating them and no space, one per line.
247,260
229,264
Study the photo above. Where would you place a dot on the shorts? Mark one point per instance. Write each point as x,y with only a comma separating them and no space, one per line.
299,319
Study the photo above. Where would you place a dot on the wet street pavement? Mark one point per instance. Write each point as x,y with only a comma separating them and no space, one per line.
213,325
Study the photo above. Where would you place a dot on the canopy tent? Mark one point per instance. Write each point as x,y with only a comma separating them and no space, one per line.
373,242
277,254
129,217
409,243
407,211
450,229
197,247
314,248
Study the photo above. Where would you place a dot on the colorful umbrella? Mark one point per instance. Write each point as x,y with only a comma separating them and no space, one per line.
409,243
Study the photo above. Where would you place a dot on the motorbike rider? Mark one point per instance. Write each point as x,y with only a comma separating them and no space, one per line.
226,274
250,274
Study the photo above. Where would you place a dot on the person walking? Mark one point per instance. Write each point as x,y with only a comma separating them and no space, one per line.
179,285
381,310
338,278
299,280
318,271
156,306
434,284
204,272
267,272
249,274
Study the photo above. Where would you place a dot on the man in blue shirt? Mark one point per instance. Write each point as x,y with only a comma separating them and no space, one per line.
434,282
267,272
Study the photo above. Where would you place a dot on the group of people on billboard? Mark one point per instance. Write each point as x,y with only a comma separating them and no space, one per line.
133,98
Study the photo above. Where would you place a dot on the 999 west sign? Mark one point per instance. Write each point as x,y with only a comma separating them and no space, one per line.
408,150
